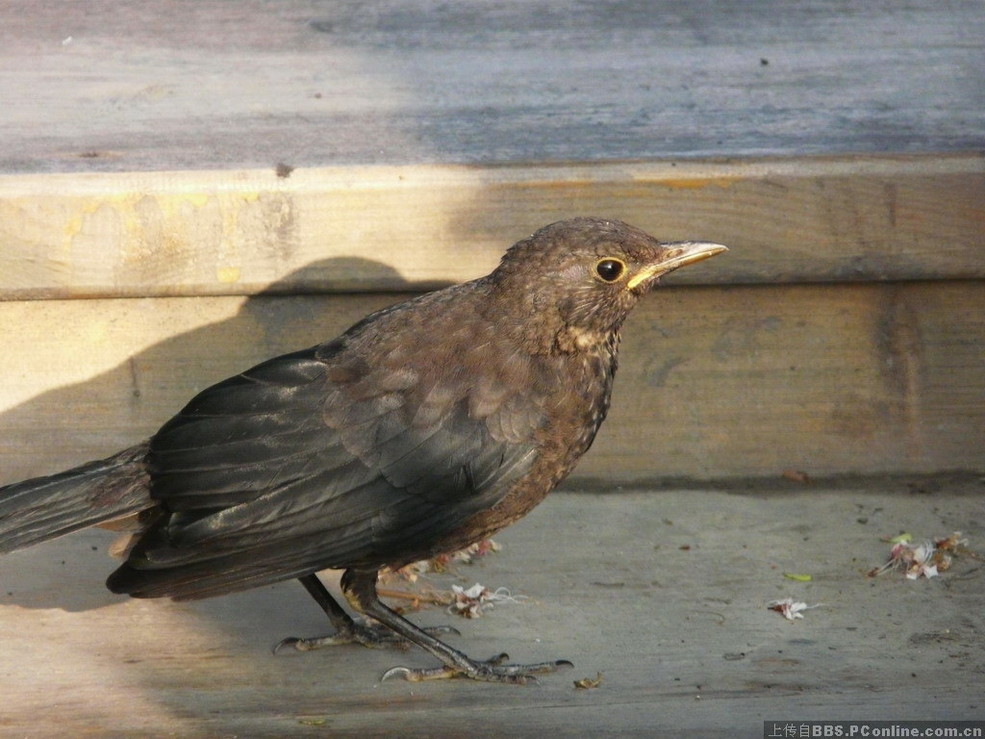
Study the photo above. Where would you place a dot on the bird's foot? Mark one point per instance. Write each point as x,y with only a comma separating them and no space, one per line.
368,634
495,670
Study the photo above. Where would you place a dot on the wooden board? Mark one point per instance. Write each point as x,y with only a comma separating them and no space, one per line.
209,84
665,593
714,381
393,228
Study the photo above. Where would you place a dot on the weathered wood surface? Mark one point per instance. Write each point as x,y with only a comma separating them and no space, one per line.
391,228
207,84
714,381
665,593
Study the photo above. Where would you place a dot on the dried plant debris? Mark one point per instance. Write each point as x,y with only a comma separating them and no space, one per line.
790,609
924,559
461,601
588,683
470,602
416,601
441,563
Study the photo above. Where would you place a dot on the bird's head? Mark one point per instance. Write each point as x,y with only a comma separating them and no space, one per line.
584,275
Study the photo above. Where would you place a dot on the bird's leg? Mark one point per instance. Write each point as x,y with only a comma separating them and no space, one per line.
359,587
347,629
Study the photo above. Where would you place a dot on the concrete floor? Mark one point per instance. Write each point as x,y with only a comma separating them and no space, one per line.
664,592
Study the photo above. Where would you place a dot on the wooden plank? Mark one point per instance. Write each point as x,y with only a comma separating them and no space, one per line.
827,379
714,381
89,376
393,228
664,592
208,84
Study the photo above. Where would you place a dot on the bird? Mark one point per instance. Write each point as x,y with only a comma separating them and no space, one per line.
425,427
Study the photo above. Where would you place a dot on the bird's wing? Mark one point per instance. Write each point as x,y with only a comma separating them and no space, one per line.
306,462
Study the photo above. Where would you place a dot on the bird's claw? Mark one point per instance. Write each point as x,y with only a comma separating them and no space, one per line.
495,669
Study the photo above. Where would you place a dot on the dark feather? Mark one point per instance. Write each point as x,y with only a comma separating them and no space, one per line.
91,494
311,460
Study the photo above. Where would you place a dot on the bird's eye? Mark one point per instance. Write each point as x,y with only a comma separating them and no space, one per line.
610,269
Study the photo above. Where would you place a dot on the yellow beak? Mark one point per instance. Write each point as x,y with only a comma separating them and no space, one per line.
678,254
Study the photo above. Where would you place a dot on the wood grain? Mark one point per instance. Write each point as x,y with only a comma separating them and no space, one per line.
394,228
663,592
715,381
207,84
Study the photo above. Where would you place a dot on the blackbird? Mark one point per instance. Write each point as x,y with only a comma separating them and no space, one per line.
424,428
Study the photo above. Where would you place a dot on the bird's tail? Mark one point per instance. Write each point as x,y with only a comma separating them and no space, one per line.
43,508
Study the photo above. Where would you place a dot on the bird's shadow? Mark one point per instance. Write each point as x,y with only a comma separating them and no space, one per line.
69,573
